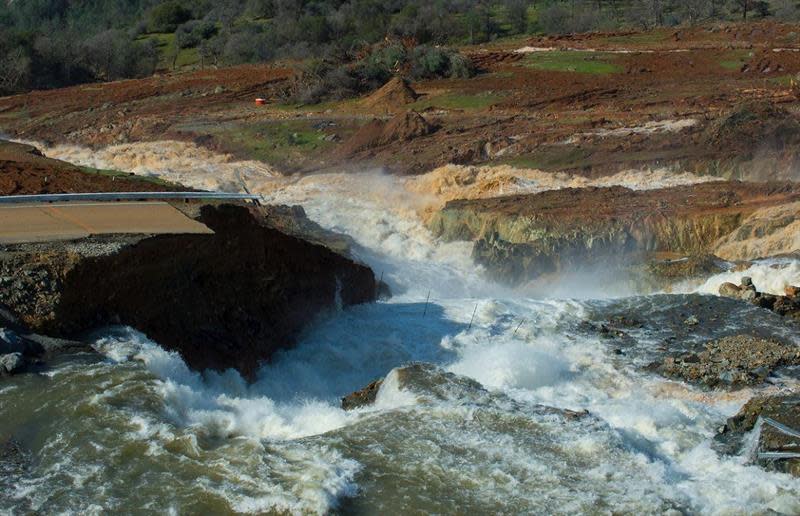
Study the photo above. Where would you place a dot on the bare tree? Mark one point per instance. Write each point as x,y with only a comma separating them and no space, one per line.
745,6
14,70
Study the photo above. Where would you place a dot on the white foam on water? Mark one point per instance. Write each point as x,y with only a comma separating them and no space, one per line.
174,161
283,444
771,276
555,370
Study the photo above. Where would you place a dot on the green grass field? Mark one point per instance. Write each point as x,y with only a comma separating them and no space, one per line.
456,101
735,59
284,143
599,63
165,43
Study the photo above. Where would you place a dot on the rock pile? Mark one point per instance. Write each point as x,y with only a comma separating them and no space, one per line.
730,362
787,305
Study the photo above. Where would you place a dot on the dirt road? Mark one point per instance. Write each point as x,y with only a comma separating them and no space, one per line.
29,223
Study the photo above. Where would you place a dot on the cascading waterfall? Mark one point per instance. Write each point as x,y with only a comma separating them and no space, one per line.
467,431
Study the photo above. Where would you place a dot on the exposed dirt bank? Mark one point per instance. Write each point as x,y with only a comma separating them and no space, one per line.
230,299
520,237
650,99
25,170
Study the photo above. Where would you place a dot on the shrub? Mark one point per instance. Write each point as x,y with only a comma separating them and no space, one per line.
517,15
191,33
432,63
114,55
167,16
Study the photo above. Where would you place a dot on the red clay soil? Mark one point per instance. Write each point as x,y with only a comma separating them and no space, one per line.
710,36
526,116
401,128
392,96
140,109
584,205
24,171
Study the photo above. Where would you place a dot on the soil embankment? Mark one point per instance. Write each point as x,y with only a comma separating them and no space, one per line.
520,237
223,300
25,170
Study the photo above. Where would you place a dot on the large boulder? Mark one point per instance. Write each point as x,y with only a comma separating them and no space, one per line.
787,306
12,363
362,397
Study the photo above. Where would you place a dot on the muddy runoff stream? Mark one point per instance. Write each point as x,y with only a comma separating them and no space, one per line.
482,409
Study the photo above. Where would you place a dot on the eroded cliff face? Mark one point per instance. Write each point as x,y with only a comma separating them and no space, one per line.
520,237
230,299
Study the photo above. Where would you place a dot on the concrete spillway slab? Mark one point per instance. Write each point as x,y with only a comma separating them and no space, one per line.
40,223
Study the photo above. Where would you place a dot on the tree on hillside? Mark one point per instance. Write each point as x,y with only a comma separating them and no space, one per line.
14,71
517,14
787,10
167,16
478,24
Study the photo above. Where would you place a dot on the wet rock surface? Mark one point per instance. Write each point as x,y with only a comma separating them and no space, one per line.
23,351
730,362
775,447
521,237
227,300
363,397
787,306
663,274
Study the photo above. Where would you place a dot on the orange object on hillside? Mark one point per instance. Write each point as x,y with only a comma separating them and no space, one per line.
260,102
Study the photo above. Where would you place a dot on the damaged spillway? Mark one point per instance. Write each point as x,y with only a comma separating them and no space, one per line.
224,300
521,237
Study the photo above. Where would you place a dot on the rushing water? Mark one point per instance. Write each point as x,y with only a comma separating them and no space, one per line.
132,430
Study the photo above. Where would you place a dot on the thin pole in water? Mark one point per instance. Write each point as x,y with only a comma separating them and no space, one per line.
425,312
473,316
517,329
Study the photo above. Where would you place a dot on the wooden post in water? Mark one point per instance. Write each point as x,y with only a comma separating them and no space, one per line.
473,317
425,312
518,327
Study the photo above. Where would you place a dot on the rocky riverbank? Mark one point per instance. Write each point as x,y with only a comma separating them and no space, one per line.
787,305
226,300
522,237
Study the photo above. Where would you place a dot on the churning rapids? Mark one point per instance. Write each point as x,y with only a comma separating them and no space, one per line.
133,430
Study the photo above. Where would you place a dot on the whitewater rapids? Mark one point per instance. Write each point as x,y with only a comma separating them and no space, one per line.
136,431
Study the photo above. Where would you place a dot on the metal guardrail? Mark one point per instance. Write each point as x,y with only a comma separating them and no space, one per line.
127,196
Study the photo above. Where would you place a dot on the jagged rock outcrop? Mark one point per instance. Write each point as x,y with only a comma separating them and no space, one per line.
521,237
225,300
363,397
777,419
767,232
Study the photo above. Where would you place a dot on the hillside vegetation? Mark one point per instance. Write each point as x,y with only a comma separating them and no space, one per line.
55,43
